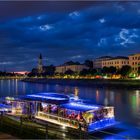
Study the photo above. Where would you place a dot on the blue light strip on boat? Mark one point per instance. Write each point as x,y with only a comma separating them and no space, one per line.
78,106
45,97
4,106
84,105
101,124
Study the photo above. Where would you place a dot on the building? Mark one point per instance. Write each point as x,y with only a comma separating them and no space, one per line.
74,68
134,61
97,63
117,62
40,64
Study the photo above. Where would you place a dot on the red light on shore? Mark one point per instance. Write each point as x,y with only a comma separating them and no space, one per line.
21,72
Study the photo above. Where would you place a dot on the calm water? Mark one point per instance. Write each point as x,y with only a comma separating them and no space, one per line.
126,102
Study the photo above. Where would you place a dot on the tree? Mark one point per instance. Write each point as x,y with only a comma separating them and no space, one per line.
139,70
48,70
34,72
105,70
125,70
112,70
69,72
84,72
92,71
72,63
89,63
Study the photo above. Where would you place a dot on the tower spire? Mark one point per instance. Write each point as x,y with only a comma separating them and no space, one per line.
40,56
40,64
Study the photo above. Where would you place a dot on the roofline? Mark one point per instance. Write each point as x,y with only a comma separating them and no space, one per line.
134,54
71,65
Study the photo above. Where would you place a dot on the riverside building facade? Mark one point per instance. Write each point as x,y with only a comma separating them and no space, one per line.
134,61
74,68
97,63
117,62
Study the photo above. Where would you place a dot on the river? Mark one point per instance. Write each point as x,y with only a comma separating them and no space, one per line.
126,102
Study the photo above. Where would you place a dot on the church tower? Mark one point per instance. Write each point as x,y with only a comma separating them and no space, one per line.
40,64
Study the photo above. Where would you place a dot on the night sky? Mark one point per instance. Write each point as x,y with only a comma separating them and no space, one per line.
64,31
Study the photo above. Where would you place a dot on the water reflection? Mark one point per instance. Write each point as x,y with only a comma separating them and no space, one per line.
16,86
112,97
24,88
135,105
76,93
97,95
126,102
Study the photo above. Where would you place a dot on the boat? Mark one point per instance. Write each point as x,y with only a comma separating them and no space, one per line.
59,109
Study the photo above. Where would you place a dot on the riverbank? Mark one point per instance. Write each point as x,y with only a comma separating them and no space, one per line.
13,127
28,129
117,83
11,78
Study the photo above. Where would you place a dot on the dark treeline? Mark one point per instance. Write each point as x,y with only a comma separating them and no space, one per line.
46,70
108,71
11,74
7,74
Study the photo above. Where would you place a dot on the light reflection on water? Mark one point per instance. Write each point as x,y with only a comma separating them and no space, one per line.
126,102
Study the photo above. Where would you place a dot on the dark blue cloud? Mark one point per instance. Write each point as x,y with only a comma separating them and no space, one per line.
62,34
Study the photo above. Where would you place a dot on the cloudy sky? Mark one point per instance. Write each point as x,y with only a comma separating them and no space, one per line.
64,31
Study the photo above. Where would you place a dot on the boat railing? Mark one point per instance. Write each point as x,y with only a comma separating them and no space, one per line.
57,119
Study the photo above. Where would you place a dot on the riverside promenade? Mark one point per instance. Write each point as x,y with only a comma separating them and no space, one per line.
125,83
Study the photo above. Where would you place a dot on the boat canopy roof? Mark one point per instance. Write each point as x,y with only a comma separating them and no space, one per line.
60,99
4,106
78,106
53,98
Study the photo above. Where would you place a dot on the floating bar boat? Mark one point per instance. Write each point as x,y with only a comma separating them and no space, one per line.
59,109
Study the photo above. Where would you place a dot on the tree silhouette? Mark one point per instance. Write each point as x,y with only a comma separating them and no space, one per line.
84,72
112,70
69,72
105,70
125,71
139,70
89,63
